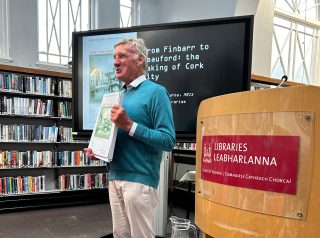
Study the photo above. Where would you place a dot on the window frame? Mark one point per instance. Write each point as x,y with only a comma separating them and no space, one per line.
311,72
134,19
52,11
133,13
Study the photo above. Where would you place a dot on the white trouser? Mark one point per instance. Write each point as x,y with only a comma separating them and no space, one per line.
132,207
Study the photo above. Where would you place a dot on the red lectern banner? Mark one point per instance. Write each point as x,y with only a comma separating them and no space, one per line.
267,163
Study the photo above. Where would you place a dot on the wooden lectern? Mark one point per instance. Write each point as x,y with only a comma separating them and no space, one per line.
258,164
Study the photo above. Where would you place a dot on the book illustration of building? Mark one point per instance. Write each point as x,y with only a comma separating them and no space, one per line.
104,123
102,77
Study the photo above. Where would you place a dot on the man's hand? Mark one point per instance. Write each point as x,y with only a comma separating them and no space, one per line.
120,117
89,153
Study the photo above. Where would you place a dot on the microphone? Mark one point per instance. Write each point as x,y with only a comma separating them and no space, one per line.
283,80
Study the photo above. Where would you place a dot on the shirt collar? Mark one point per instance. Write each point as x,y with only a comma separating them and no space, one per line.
135,83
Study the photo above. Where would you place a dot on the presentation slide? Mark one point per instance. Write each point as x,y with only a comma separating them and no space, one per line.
98,73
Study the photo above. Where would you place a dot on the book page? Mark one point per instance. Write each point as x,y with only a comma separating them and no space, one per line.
104,134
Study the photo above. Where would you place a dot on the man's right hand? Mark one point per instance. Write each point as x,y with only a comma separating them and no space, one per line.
89,153
120,117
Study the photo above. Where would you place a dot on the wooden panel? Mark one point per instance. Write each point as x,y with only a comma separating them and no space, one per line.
272,81
219,220
34,71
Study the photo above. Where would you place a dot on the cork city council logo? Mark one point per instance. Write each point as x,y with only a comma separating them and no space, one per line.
206,155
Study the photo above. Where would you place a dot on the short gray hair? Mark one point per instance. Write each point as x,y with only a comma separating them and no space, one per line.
140,47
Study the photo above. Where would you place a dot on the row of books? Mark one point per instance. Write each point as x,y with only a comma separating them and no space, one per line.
65,109
65,134
14,82
39,133
22,184
82,181
37,159
74,158
185,146
35,184
26,106
65,88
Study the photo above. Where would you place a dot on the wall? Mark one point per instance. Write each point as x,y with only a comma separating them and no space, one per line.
149,12
263,30
186,10
23,32
106,13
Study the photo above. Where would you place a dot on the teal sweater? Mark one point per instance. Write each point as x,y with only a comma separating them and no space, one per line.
137,158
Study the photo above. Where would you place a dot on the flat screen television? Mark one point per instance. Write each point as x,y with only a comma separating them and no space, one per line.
194,60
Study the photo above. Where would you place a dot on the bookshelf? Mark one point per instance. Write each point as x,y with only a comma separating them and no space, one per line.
41,164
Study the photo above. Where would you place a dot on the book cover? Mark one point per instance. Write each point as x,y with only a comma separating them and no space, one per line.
104,134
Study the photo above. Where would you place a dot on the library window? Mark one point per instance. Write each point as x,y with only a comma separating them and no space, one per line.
57,19
126,13
4,31
296,42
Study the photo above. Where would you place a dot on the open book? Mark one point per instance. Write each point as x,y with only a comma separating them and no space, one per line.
104,134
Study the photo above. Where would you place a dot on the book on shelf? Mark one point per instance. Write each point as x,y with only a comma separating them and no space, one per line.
104,134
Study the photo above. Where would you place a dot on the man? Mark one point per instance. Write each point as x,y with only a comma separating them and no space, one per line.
146,129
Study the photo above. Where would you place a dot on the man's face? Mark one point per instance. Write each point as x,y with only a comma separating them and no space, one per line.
127,63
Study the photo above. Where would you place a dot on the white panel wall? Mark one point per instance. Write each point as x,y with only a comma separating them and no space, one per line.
187,10
263,11
23,32
107,13
149,12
